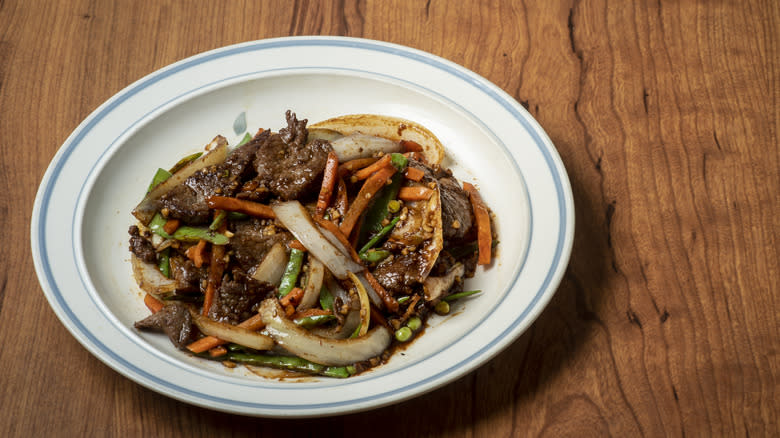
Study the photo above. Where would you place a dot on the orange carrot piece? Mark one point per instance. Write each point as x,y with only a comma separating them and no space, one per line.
355,165
218,351
390,302
216,269
241,205
364,196
410,146
153,303
171,225
413,174
329,177
197,253
482,215
368,170
296,244
209,342
418,193
293,298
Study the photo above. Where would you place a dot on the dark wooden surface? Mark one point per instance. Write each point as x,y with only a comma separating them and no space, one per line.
665,114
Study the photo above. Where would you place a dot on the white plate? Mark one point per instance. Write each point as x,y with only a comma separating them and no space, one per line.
82,210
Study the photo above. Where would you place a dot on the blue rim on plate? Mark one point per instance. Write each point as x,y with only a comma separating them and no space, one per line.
44,256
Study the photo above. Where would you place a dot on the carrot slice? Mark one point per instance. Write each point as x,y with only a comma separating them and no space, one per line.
413,173
197,253
296,244
218,351
171,225
411,146
153,303
329,178
209,342
482,215
418,193
364,196
352,166
293,298
216,269
241,205
368,170
336,231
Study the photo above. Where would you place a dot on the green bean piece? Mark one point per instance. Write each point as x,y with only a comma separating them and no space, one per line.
194,234
381,234
326,298
403,300
160,176
374,255
399,161
157,224
291,272
218,219
377,211
356,332
414,323
442,308
244,140
403,334
314,321
164,262
236,216
292,363
458,295
185,161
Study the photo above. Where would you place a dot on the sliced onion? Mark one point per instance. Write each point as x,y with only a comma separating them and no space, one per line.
232,333
372,295
365,305
350,322
145,210
337,352
150,279
436,287
323,134
311,292
295,218
359,145
271,269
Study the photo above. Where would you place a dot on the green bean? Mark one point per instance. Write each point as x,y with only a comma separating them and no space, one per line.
244,140
236,216
326,298
291,271
185,161
314,321
404,299
194,234
399,161
164,262
160,176
377,212
382,233
442,308
218,219
356,332
403,334
291,363
157,224
458,295
374,255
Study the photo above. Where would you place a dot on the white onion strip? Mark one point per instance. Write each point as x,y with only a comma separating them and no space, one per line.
311,293
295,218
271,269
232,333
336,352
359,145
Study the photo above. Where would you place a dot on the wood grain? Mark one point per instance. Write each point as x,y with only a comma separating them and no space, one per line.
665,114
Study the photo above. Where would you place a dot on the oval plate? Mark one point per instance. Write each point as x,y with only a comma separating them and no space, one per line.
82,209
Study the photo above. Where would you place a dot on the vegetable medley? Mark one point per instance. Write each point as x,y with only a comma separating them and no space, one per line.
314,249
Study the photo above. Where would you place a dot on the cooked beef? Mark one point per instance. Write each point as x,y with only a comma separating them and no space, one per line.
286,165
456,214
175,320
141,247
188,277
252,239
237,299
187,201
401,272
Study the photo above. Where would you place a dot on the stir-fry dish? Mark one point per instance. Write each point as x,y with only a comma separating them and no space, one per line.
315,249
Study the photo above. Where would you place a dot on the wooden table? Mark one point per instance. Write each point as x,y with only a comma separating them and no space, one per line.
665,114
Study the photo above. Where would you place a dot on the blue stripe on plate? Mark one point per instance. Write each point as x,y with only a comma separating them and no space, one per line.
438,63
